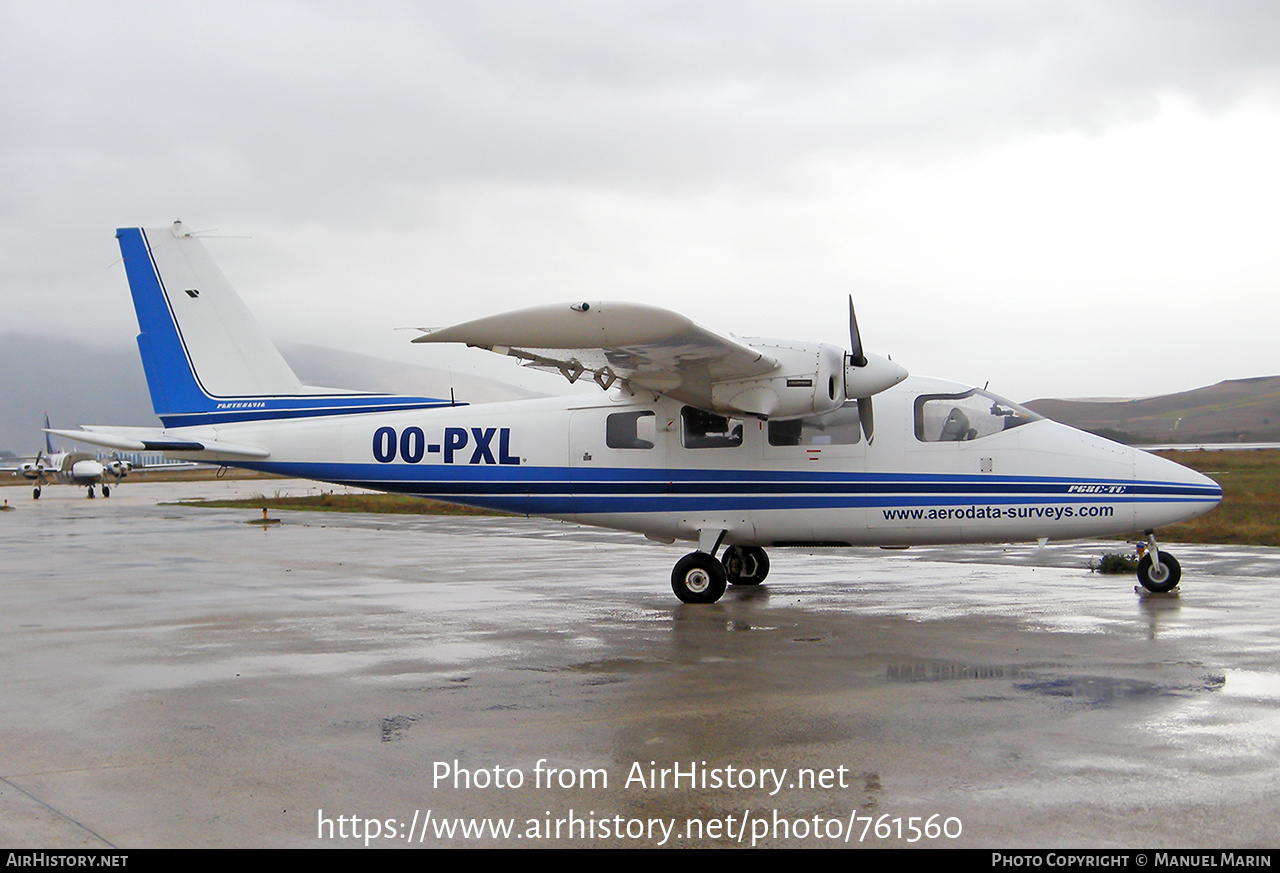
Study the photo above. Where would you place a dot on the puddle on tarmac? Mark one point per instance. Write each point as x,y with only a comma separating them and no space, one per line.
1089,691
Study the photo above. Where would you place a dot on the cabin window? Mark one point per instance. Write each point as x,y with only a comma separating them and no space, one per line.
969,416
630,430
838,428
706,430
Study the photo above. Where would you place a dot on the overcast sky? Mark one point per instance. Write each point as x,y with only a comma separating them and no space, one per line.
1063,199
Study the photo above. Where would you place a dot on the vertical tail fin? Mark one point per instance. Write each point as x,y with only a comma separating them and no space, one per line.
48,440
206,358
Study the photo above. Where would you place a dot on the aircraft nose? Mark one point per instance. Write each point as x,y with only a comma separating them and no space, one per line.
1172,492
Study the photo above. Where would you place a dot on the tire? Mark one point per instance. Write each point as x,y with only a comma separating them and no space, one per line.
698,578
745,565
1162,579
106,490
35,493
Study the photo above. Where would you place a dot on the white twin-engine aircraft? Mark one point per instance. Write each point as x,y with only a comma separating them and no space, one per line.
70,468
731,444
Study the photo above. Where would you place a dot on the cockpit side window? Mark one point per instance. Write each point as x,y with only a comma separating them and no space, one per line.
700,429
969,416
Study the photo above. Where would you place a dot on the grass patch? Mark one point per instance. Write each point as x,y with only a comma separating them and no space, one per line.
399,504
1115,563
1250,510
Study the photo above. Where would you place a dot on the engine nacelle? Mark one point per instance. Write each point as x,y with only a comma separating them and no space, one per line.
809,381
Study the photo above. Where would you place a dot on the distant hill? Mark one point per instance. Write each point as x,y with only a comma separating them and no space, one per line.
1240,410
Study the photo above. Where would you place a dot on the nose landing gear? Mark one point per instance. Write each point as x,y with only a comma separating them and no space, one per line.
1158,572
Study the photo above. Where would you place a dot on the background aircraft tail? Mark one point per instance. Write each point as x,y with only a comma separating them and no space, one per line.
206,357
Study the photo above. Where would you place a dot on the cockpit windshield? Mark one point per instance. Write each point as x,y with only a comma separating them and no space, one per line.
969,416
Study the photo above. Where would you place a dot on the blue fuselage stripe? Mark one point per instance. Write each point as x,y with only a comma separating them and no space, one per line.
563,490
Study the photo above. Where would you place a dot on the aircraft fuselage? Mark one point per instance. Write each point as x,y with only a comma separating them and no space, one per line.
616,461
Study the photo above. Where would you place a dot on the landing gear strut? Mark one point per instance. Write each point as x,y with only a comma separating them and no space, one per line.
1158,571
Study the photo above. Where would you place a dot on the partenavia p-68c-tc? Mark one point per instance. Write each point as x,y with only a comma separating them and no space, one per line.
732,444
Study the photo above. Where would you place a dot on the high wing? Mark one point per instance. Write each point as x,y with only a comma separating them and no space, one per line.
645,347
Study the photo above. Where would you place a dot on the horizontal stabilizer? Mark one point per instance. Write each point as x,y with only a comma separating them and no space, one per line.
144,439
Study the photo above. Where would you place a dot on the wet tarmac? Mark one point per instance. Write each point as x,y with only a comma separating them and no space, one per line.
179,677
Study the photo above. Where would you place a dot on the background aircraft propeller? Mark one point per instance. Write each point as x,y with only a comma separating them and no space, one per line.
118,466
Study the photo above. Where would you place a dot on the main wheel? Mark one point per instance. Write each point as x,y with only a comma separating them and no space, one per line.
35,493
745,565
1162,578
106,490
698,578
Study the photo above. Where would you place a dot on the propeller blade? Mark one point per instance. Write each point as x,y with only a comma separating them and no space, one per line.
867,418
856,357
39,467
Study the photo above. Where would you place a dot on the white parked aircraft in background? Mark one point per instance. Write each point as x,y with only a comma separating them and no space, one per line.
735,445
70,468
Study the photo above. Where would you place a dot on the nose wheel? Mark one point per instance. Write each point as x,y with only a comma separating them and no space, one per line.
1158,572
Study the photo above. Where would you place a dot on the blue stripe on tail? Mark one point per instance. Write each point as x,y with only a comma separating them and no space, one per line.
177,395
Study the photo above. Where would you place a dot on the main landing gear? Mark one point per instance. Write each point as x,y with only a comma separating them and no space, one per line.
745,565
1158,572
699,577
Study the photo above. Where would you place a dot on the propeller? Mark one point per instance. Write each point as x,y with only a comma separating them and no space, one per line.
118,467
856,357
865,375
35,470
